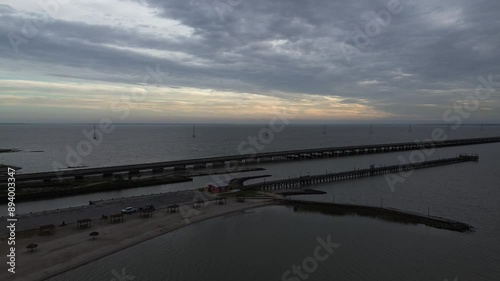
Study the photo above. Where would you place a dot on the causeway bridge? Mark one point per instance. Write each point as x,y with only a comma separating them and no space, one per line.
301,182
289,155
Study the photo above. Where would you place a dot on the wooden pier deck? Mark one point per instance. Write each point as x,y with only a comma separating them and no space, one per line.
300,182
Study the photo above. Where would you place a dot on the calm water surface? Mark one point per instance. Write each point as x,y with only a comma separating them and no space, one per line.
266,242
263,244
44,144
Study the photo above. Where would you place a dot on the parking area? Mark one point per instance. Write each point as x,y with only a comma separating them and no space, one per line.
100,208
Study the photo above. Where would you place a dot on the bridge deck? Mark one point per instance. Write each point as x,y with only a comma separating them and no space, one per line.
258,157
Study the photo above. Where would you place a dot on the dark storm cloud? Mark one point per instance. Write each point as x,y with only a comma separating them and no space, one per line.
291,46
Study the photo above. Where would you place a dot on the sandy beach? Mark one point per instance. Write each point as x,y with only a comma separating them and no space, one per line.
71,247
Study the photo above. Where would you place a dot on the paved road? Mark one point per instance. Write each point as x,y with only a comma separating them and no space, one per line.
306,153
107,207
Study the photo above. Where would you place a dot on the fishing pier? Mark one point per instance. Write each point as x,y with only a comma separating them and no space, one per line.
300,182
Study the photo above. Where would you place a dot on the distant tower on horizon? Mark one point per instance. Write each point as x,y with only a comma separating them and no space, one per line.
371,129
266,133
482,127
194,133
409,128
324,129
95,136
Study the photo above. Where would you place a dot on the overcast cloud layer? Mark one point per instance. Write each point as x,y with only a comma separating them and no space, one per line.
230,60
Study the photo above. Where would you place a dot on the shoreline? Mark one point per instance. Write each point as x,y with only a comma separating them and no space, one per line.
71,188
158,235
114,237
71,247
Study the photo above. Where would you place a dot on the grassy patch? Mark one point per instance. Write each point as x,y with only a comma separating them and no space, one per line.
67,188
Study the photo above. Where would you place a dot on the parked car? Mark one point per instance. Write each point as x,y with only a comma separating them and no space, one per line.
129,210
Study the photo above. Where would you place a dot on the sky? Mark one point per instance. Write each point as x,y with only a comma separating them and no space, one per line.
237,61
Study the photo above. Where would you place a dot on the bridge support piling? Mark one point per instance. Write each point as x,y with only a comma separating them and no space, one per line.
179,168
134,172
157,170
